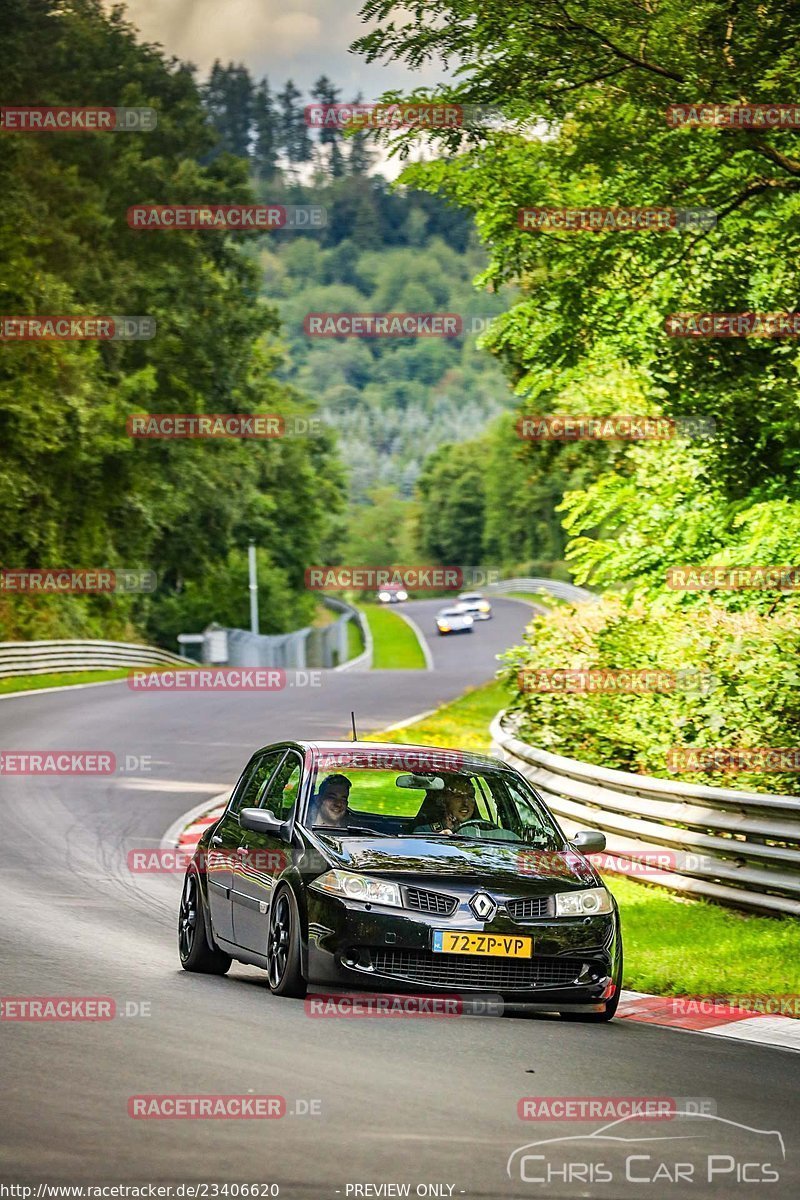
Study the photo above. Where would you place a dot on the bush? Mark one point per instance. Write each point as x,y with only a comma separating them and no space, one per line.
749,656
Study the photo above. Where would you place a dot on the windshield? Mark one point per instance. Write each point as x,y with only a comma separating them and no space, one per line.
368,794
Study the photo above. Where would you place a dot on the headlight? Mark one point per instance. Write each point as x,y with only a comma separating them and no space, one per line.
358,887
588,903
467,620
402,595
444,628
384,596
484,607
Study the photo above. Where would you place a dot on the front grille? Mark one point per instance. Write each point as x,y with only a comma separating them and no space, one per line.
530,907
430,902
461,970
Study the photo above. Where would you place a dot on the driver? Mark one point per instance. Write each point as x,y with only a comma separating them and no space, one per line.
457,800
329,806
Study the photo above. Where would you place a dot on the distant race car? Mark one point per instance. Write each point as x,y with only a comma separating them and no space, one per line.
392,593
477,605
403,869
454,620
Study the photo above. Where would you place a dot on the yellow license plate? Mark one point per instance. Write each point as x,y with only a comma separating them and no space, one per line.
502,945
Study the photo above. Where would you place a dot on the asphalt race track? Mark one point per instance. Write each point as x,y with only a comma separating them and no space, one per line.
392,1101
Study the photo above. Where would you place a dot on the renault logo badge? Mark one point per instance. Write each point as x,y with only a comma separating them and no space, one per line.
483,906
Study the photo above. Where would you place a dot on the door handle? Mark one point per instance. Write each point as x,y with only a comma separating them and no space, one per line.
216,840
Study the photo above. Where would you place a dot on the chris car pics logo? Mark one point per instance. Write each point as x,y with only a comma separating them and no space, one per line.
692,1149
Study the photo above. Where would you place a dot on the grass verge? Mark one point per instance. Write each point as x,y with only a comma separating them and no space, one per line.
674,945
27,683
395,645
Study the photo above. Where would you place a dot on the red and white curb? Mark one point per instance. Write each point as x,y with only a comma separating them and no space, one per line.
718,1016
185,833
693,1014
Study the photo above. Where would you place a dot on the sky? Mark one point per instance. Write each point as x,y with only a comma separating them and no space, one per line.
282,39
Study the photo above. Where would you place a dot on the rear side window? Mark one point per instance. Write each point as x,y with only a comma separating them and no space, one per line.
281,794
251,791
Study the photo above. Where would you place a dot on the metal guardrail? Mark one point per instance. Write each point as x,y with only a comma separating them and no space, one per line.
737,848
40,658
555,587
312,647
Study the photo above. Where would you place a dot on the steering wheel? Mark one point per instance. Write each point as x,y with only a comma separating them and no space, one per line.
478,823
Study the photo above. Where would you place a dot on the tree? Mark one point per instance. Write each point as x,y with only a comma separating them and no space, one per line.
294,139
75,489
325,93
265,134
229,98
451,498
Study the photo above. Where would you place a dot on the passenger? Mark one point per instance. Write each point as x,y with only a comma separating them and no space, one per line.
330,805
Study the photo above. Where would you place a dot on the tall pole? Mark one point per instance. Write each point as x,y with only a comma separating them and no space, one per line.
251,559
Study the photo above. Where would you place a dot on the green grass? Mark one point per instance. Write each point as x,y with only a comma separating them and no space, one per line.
395,645
27,683
674,945
529,597
355,640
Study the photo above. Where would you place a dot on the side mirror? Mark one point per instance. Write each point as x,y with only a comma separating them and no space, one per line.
589,841
261,820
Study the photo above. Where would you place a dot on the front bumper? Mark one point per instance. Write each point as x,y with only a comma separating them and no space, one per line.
355,946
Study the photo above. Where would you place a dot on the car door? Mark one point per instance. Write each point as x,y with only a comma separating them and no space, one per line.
265,857
224,846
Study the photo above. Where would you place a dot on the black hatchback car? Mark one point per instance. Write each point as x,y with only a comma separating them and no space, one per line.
404,869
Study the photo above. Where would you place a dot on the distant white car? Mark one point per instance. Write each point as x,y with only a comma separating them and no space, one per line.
454,620
476,605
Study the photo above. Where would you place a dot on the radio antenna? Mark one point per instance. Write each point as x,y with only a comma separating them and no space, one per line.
353,720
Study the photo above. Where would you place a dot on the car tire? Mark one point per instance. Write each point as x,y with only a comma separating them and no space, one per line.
284,969
195,951
610,1010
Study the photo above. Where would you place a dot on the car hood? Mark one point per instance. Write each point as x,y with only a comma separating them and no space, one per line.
503,865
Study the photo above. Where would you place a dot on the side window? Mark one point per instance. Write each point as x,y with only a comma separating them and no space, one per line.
281,794
249,795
